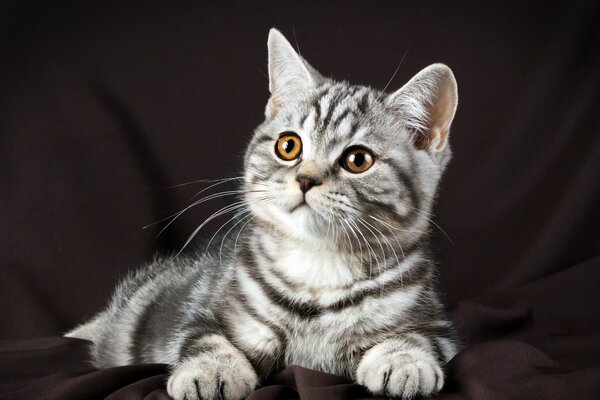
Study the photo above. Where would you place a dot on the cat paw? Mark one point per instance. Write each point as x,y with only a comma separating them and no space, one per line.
403,374
208,377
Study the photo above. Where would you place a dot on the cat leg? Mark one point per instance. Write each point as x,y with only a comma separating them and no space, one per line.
213,369
405,366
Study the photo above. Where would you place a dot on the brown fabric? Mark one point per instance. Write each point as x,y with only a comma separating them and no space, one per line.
101,105
55,369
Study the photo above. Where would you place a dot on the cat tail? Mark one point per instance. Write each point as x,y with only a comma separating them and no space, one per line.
87,331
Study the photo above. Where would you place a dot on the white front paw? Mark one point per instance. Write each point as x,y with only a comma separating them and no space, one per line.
208,377
404,374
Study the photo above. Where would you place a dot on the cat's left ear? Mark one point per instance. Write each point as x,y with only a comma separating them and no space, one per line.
289,74
426,105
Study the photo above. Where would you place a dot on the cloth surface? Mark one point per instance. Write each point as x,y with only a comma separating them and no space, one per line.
103,106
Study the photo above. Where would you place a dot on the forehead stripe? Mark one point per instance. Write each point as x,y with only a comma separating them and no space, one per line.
333,104
341,117
363,102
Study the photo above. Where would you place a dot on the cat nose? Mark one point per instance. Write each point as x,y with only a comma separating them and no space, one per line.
307,182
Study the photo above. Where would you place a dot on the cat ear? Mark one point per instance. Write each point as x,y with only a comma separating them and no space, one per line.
288,72
426,105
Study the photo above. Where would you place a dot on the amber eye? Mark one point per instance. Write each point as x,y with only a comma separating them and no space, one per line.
357,160
289,146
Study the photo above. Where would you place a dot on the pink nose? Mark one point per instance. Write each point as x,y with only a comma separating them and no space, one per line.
307,182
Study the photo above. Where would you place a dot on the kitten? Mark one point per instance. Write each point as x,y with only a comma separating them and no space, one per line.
328,269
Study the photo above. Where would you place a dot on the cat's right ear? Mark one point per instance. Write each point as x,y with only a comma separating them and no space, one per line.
288,74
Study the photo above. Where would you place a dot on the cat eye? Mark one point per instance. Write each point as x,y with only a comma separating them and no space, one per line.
288,146
357,159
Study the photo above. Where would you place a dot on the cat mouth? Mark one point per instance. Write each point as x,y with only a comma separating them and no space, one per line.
300,205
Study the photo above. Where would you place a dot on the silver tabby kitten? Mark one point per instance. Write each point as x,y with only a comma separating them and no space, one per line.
330,270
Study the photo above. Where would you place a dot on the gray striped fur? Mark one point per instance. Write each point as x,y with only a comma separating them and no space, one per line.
344,284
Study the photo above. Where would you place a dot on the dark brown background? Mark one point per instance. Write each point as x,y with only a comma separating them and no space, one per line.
103,104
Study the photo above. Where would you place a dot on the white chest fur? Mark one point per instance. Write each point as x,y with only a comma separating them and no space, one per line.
317,269
312,267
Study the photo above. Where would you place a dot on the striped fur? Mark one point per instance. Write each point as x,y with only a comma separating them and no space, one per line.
337,279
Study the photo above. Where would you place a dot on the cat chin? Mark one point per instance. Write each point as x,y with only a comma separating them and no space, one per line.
307,226
301,223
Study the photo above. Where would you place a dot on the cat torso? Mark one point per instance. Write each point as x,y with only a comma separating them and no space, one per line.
301,308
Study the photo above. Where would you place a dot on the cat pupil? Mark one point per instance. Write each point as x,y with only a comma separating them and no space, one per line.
358,159
288,146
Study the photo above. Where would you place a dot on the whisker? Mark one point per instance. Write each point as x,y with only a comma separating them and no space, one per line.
425,215
216,214
196,181
369,248
357,239
236,215
190,206
380,245
210,187
240,231
394,74
388,226
225,236
204,199
391,248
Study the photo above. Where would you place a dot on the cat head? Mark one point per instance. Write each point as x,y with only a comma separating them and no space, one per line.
335,163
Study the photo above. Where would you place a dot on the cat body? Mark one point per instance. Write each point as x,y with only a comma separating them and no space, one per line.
326,267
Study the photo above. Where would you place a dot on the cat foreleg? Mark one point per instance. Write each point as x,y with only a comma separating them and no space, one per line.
212,369
404,366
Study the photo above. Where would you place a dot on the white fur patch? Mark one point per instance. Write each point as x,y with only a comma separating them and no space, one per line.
316,268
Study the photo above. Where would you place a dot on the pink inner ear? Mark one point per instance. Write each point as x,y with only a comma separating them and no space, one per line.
441,112
433,140
422,140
